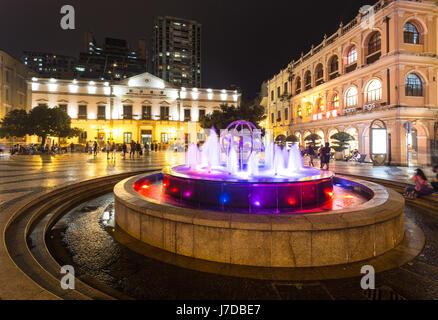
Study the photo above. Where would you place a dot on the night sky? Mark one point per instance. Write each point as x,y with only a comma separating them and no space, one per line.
244,42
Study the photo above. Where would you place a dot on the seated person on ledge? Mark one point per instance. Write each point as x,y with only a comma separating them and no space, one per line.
421,187
434,183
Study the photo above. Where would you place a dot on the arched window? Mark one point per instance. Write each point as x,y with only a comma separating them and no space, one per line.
413,86
334,103
351,97
320,106
319,72
299,112
374,91
308,80
298,87
375,43
352,56
333,67
411,34
309,109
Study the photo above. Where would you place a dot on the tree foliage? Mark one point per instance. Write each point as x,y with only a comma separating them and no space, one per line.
341,141
41,121
15,124
220,119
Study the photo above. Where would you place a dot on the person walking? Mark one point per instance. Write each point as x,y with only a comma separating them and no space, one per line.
139,152
311,153
132,150
113,150
124,150
324,154
107,149
95,148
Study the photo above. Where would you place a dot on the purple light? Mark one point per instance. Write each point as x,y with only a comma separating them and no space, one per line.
187,194
257,204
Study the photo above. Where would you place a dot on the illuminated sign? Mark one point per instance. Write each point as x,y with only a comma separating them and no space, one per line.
379,141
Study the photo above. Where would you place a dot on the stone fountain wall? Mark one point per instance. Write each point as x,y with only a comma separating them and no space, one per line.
303,240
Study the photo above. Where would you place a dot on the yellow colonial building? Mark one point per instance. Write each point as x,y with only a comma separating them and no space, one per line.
142,108
377,72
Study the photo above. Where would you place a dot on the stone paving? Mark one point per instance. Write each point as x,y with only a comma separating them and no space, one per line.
22,177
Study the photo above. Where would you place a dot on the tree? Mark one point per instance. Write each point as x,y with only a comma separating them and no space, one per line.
313,138
15,124
220,119
292,138
45,121
341,141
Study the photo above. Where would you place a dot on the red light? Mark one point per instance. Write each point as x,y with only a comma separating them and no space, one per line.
330,194
174,190
165,184
145,186
291,201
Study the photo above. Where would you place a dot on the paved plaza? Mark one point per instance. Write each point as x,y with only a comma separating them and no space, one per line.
25,176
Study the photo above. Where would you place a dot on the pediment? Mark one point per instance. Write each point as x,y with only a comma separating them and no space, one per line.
146,80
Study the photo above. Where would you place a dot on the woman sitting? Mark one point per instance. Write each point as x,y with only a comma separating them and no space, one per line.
421,187
434,183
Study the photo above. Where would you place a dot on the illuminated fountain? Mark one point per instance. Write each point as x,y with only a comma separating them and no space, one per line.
237,171
237,201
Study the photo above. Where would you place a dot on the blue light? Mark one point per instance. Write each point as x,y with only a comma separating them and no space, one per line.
224,198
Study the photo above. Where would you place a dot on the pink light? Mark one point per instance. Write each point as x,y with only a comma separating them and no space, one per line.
187,194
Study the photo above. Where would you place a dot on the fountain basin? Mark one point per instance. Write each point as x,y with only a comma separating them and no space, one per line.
309,189
353,233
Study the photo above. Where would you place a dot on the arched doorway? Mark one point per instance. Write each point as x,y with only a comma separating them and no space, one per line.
354,144
322,135
329,136
300,138
417,145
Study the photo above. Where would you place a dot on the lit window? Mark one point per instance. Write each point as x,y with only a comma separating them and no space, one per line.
351,97
335,102
374,92
374,45
352,56
411,34
413,86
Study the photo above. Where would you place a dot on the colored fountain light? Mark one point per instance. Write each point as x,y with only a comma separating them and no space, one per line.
236,170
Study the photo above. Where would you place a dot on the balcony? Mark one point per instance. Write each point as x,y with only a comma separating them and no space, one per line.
373,57
333,75
351,68
319,82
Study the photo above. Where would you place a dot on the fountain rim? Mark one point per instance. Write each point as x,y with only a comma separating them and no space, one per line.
324,175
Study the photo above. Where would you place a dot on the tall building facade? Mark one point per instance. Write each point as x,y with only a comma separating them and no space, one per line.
50,65
176,51
143,108
377,72
13,84
112,60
